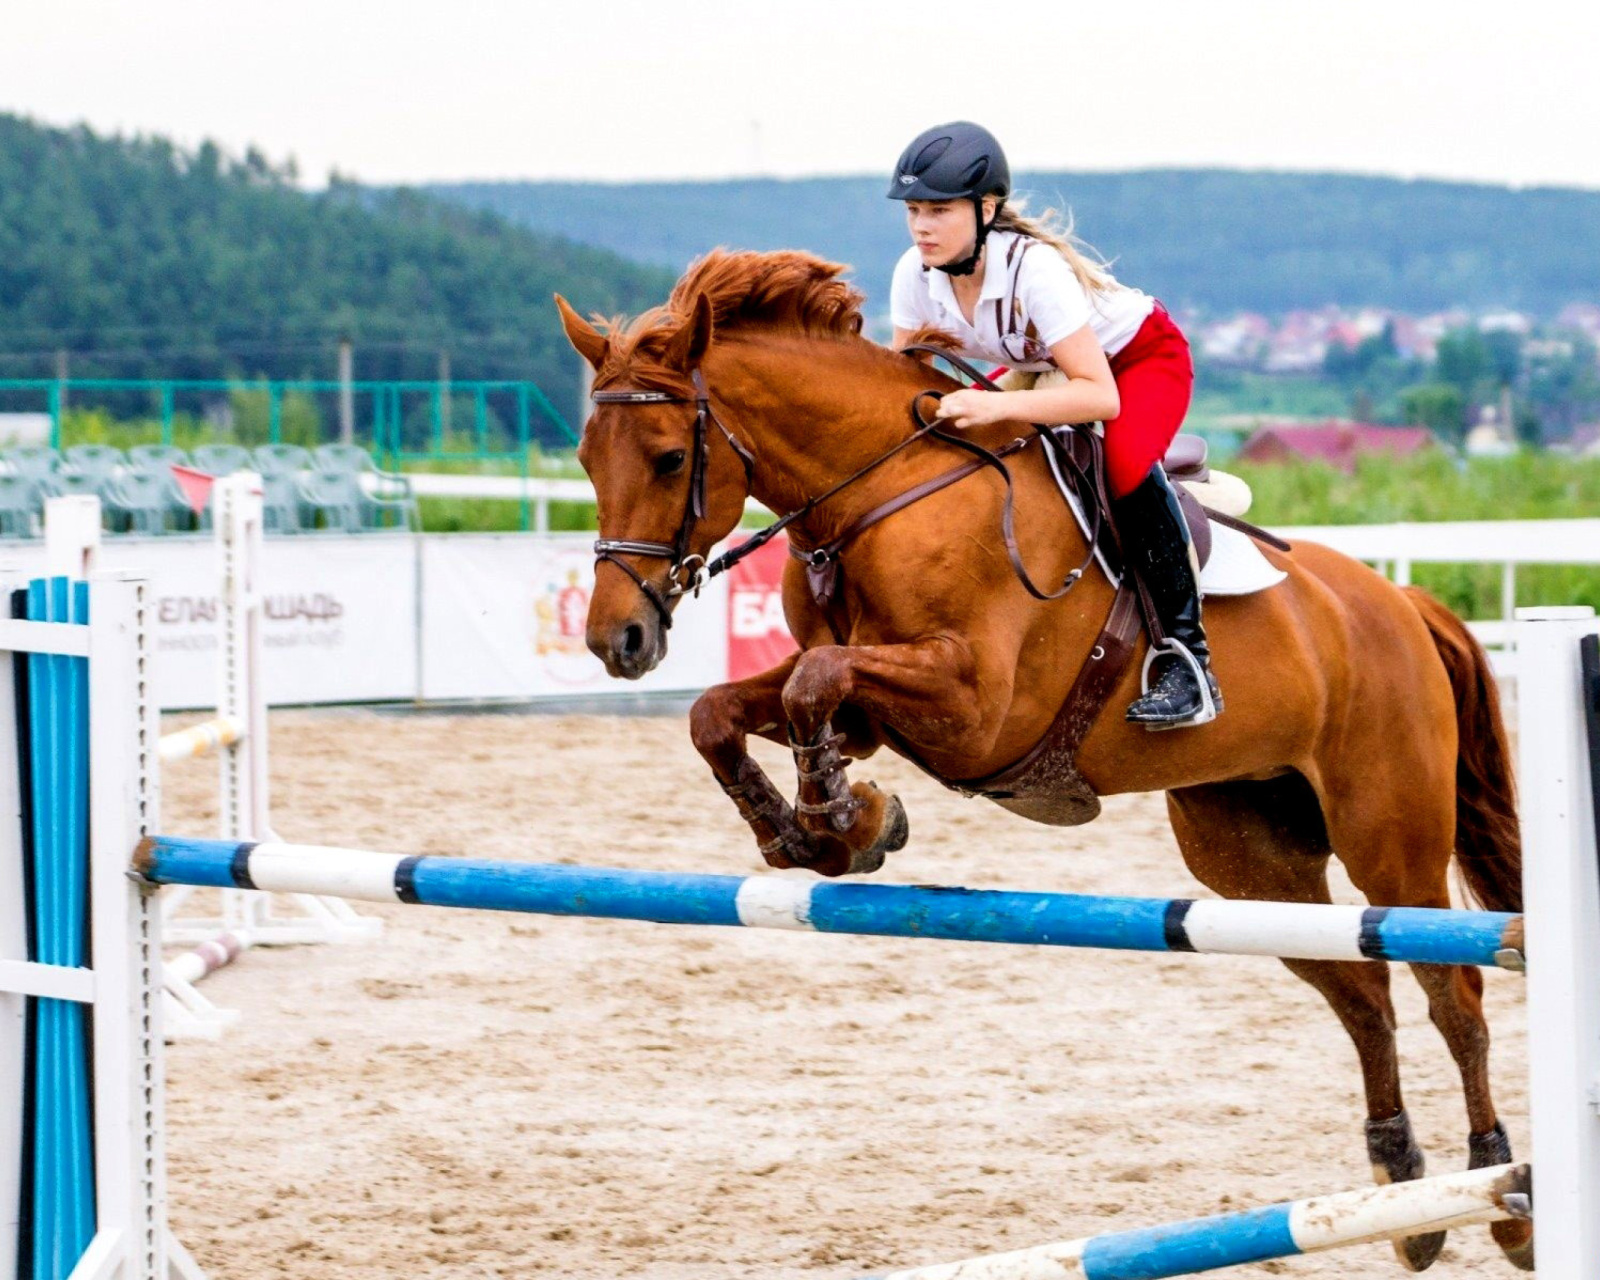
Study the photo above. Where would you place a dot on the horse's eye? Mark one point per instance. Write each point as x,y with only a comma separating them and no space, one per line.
669,464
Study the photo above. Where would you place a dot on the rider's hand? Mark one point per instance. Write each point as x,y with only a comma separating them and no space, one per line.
973,408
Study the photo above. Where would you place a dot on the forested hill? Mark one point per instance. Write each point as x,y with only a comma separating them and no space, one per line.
1217,239
142,259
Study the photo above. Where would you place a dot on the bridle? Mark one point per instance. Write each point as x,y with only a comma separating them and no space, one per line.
688,570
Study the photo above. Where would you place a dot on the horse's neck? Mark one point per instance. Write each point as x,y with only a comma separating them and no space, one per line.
812,412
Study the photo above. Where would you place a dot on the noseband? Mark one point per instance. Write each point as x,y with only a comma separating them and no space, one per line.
687,569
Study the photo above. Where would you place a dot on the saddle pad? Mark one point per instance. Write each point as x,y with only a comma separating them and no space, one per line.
1236,567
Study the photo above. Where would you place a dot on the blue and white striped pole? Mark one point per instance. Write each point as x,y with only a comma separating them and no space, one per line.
1290,930
1256,1235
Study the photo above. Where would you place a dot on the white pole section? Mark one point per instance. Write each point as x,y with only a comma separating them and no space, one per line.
203,739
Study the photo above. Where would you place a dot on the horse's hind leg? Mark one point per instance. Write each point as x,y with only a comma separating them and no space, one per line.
1267,840
1455,1004
1402,860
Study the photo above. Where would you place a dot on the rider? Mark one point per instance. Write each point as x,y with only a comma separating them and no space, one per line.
1019,291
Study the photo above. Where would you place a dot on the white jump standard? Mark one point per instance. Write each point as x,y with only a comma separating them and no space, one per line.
1416,935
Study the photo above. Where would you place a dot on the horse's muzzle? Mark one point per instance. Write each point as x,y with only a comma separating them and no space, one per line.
632,648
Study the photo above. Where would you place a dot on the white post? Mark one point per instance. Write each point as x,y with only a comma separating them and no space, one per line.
72,535
1561,879
251,918
241,693
125,924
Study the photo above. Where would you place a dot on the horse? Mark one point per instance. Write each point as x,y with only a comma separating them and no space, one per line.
1362,719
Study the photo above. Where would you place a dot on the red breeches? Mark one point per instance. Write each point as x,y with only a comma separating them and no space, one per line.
1155,379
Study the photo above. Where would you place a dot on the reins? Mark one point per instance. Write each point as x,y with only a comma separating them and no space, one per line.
688,572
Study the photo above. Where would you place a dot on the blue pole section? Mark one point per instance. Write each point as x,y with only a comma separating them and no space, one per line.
1201,1244
1418,935
62,1212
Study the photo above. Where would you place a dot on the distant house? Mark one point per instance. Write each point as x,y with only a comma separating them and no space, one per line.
1337,443
1585,440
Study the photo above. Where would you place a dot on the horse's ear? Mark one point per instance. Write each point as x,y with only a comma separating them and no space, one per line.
586,340
688,346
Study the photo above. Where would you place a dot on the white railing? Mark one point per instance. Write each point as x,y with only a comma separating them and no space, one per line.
1394,549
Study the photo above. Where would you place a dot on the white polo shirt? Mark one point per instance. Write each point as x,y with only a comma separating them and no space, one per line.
1045,295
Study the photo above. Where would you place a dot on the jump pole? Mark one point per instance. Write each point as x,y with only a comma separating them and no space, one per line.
1296,931
1283,1230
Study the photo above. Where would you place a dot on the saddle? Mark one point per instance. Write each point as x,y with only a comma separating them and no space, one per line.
1044,784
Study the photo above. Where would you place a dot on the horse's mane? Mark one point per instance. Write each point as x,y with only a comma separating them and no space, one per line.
784,291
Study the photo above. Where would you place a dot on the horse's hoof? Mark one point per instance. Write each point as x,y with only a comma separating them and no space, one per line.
893,834
1516,1242
1515,1236
1418,1253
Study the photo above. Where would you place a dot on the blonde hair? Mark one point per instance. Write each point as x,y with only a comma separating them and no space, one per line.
1054,228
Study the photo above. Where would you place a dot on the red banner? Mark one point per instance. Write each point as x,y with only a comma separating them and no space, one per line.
758,637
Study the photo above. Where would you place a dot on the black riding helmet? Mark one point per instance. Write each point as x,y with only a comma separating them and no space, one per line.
955,161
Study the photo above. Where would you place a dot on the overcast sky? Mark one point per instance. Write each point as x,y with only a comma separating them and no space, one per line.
398,91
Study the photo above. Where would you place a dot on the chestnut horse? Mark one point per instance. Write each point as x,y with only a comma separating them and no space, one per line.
1362,718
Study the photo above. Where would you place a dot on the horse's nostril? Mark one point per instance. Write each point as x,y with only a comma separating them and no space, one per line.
632,640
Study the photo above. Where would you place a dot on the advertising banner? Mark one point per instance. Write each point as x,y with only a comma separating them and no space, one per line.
339,624
758,636
504,617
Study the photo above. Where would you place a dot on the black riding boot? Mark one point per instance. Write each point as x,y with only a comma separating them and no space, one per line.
1155,538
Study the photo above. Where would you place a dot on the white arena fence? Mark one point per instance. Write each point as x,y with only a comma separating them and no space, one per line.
82,1123
452,617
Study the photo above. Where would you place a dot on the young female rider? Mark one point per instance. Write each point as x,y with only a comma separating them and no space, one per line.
1015,292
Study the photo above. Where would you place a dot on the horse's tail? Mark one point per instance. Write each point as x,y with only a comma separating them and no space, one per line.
1488,836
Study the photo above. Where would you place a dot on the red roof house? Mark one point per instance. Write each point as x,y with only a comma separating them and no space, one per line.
1338,444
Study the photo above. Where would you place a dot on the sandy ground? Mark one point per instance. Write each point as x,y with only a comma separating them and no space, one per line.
481,1095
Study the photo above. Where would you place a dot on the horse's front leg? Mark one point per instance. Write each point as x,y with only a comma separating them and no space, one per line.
720,724
925,689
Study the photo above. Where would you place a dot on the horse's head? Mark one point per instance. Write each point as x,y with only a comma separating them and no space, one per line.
669,480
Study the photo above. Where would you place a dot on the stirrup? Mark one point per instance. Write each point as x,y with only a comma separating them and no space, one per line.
1208,707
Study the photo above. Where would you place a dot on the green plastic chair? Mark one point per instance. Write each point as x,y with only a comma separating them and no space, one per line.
95,459
386,503
282,459
343,458
221,459
20,510
335,501
158,460
140,501
67,482
282,511
157,457
34,461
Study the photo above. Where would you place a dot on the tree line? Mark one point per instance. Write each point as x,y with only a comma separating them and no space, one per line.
141,259
1212,239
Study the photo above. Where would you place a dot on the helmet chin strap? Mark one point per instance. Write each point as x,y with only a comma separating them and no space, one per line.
966,266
